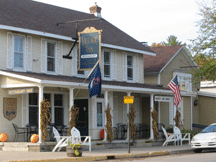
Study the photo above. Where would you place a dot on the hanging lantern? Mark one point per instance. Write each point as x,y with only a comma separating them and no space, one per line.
3,137
34,138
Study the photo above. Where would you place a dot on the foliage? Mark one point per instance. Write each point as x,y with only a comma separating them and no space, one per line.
154,123
132,125
45,117
177,119
108,125
203,47
192,133
170,130
157,45
73,116
171,41
76,147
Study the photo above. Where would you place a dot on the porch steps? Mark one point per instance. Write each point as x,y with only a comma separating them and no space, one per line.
15,146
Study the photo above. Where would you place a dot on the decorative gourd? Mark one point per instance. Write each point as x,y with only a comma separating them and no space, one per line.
3,137
34,138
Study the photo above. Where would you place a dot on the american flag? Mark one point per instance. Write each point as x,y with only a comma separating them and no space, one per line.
174,87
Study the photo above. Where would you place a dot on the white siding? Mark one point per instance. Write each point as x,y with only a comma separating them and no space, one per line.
29,53
9,50
43,56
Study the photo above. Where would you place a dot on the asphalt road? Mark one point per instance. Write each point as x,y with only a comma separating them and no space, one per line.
206,156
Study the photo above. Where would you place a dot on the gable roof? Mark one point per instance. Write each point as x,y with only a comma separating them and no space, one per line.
36,16
154,64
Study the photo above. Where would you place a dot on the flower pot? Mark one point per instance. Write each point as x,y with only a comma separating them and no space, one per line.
72,152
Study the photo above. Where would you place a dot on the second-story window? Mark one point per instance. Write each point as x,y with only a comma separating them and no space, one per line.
18,52
129,67
51,57
78,71
106,64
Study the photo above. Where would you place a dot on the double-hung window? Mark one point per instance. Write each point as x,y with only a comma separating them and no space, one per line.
51,56
99,114
129,67
18,52
107,64
78,60
185,81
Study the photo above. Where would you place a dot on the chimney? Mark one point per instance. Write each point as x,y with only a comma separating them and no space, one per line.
96,10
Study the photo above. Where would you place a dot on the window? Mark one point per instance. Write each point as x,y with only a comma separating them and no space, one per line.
99,114
58,106
184,81
51,57
33,109
129,67
18,52
79,71
106,64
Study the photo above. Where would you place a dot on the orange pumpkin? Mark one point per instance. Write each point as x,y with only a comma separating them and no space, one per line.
3,137
34,138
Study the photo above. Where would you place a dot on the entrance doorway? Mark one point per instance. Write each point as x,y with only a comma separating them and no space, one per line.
82,121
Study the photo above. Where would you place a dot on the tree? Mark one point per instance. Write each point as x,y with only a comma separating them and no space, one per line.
171,41
204,46
157,45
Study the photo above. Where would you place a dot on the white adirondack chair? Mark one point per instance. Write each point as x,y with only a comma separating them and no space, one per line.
171,138
76,137
62,141
181,136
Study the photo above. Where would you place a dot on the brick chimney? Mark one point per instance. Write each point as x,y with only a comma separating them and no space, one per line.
96,10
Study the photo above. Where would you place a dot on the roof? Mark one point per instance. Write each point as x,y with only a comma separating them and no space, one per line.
37,16
163,56
61,78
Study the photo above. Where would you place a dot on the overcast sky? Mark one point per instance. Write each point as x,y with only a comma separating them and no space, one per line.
145,20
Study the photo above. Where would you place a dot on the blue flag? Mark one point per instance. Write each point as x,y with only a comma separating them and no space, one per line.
95,81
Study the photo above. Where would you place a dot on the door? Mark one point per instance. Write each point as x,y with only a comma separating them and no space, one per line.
82,120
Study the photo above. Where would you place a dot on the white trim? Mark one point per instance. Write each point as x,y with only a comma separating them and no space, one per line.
158,78
191,112
45,34
207,94
18,85
205,84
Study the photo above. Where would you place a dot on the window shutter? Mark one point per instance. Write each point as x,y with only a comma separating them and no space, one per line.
59,58
115,111
24,110
134,68
74,62
171,107
124,67
9,50
113,65
29,53
43,56
102,64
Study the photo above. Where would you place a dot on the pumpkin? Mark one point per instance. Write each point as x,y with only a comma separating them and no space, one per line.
3,137
34,138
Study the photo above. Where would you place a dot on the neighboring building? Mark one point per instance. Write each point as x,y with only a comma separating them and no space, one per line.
168,62
31,50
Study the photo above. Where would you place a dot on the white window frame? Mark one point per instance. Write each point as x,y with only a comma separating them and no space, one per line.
99,101
108,64
55,56
132,67
186,80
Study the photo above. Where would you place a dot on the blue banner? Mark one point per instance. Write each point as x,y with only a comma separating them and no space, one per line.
95,81
89,50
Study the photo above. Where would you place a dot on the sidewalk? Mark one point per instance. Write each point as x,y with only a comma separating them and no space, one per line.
94,154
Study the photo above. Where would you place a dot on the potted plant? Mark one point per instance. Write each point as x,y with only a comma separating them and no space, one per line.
74,149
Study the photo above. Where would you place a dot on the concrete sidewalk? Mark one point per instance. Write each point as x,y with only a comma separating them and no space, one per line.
94,154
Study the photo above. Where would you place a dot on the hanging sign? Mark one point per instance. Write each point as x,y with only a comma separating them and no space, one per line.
89,48
128,99
9,108
162,98
20,91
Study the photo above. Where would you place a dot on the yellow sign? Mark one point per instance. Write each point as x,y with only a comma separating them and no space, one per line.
20,91
128,99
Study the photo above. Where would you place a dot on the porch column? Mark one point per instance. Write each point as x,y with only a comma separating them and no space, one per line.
71,99
40,100
105,107
151,110
159,112
128,108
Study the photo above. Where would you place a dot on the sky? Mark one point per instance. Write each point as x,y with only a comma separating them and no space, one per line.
145,20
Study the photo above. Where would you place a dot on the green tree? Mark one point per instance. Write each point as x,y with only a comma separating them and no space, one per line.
171,41
204,46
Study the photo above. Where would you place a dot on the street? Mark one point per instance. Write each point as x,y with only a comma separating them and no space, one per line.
205,156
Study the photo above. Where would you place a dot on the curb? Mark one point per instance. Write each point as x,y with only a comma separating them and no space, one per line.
96,158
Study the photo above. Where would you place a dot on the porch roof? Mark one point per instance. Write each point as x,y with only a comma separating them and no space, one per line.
69,81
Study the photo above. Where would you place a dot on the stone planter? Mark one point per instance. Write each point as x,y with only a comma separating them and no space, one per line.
71,152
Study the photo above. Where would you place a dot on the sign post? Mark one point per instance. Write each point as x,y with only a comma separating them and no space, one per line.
129,100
